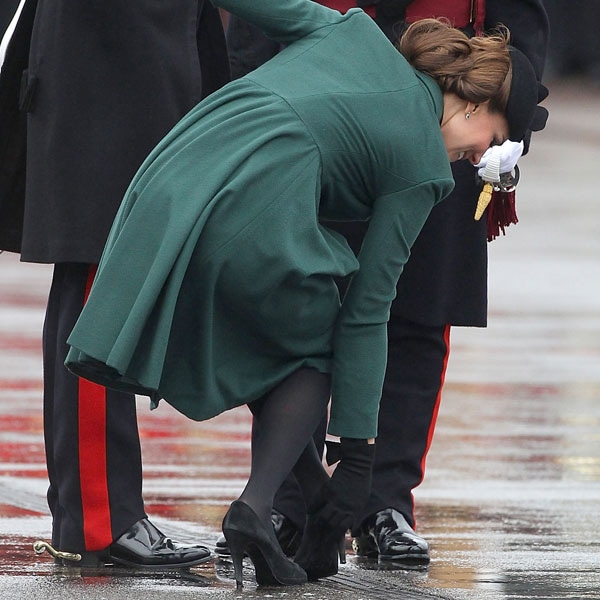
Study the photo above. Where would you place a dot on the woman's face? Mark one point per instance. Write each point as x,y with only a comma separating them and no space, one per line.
469,131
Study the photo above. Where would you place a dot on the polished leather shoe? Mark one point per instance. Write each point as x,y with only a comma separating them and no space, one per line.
387,536
287,534
222,548
143,545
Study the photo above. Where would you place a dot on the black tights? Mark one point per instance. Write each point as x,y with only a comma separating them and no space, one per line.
284,422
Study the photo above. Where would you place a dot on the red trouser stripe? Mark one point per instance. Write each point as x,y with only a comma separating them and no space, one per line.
436,408
93,475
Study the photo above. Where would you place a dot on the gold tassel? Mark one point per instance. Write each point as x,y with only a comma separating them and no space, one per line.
484,199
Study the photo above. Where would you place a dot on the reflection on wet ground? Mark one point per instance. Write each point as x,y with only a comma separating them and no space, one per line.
511,502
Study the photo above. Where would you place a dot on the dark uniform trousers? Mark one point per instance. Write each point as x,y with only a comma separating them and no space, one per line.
93,506
417,360
91,434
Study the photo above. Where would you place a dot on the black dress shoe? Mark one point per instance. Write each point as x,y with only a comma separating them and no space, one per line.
141,546
222,548
287,534
387,536
145,546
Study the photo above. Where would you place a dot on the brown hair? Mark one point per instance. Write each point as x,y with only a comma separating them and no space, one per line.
476,69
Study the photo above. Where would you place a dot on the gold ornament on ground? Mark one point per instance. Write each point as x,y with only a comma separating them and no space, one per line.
41,546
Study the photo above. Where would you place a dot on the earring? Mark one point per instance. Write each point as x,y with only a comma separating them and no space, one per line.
468,116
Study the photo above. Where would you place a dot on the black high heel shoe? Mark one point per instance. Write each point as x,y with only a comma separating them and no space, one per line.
246,534
320,548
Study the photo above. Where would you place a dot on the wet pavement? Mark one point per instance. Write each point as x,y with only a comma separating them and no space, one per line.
511,501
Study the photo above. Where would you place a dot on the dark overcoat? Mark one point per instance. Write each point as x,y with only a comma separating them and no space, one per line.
105,82
7,10
13,132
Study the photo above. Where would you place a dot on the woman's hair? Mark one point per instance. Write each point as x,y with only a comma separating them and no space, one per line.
476,69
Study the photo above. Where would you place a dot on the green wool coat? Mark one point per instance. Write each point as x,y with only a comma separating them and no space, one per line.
217,280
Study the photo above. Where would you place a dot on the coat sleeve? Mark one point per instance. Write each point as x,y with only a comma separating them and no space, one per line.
281,21
360,340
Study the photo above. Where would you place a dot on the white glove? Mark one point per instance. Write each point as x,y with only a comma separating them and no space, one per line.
499,159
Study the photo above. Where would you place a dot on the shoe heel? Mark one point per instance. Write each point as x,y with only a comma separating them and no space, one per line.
236,542
342,550
246,534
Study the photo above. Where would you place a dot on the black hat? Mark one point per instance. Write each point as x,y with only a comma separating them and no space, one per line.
522,111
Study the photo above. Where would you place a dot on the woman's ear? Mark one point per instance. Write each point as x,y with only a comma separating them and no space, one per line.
472,107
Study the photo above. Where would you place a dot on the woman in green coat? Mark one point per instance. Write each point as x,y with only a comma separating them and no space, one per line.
217,284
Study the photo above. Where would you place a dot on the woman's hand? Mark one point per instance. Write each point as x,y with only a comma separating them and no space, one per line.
350,485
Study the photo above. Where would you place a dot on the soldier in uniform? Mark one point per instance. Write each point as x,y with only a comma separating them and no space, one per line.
104,83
